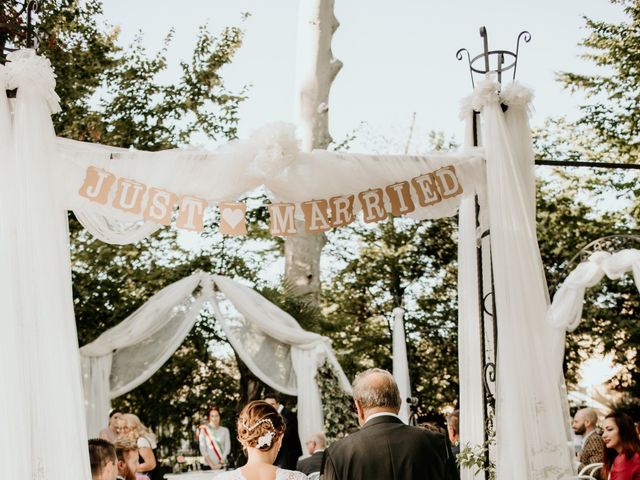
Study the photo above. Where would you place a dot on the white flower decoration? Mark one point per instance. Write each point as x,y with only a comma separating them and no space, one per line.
265,440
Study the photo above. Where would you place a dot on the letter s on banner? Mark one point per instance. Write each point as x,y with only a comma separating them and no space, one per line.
160,206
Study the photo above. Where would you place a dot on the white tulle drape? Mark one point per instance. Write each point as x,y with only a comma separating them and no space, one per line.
566,310
401,363
40,365
267,339
531,407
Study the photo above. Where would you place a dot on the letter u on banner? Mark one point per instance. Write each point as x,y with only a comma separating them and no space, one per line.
282,219
129,196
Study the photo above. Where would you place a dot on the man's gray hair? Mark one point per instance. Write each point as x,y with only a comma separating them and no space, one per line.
319,439
376,388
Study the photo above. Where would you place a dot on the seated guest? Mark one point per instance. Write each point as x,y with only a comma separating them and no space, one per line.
622,453
315,446
127,455
148,466
102,456
386,448
291,447
453,431
214,440
592,449
260,431
110,432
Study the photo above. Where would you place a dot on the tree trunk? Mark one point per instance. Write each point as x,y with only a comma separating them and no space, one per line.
316,70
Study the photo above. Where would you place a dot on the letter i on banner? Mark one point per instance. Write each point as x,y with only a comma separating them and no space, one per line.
372,203
191,213
400,198
316,217
97,183
159,206
233,218
282,219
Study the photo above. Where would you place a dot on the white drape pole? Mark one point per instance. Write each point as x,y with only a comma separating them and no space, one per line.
400,362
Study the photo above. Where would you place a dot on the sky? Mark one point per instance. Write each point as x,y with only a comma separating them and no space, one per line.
399,57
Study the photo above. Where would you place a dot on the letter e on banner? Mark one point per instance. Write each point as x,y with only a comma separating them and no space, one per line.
372,203
190,213
425,186
341,211
233,218
97,183
400,198
448,182
159,206
129,196
282,219
316,217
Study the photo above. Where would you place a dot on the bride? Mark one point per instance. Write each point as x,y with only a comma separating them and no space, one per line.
260,431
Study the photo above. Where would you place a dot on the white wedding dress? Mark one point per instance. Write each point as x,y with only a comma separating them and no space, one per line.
281,474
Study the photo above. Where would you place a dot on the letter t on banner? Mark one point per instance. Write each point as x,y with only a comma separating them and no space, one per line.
191,213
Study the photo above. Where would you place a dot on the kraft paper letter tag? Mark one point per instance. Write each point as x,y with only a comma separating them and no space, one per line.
425,186
448,182
341,211
400,198
159,206
190,213
97,183
129,196
233,218
316,216
282,219
372,203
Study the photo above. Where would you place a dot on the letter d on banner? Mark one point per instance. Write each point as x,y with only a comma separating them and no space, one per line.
282,219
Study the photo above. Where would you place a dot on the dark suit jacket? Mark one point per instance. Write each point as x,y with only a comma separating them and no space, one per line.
310,464
291,449
386,449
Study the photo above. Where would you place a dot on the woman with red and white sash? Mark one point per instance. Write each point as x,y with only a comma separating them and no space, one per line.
214,440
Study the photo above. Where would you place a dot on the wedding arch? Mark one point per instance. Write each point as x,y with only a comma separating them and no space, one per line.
43,177
267,339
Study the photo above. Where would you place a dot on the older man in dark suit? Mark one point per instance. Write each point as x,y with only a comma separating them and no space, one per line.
315,446
384,447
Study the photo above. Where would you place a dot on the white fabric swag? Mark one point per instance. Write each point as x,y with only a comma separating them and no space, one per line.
267,339
566,310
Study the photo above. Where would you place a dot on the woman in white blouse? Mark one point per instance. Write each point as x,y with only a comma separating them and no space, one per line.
214,440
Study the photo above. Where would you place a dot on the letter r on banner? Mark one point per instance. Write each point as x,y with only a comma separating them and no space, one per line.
97,183
283,220
316,217
191,213
372,203
341,211
448,182
159,206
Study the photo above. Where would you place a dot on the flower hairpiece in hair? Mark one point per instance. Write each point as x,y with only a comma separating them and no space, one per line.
265,440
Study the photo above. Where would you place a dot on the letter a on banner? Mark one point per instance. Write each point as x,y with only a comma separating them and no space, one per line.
282,219
159,206
96,186
232,218
372,205
191,213
400,198
448,182
316,217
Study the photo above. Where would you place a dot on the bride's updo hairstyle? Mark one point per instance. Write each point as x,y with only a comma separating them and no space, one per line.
260,426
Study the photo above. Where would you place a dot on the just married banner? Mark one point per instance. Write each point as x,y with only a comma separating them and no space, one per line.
157,205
